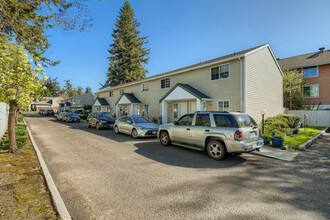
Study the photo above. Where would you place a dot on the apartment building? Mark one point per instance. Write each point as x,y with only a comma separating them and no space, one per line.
247,81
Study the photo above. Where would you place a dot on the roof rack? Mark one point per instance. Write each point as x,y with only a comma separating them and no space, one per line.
213,111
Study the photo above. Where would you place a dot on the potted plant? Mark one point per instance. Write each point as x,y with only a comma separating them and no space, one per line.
277,141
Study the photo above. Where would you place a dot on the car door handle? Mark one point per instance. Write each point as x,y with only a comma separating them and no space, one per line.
188,129
207,130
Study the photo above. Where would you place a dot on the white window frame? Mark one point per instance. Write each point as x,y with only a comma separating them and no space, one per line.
317,71
318,91
165,83
219,72
142,87
223,105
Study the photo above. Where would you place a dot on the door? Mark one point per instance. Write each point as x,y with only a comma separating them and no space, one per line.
182,132
126,125
201,128
179,109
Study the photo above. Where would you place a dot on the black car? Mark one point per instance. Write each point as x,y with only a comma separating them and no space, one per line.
71,117
41,111
50,112
100,120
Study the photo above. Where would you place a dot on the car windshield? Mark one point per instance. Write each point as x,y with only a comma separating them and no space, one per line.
139,119
72,114
246,121
106,115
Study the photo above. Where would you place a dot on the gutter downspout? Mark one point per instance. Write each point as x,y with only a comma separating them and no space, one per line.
242,98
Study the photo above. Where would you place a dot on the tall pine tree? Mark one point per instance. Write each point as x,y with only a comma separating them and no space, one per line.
128,55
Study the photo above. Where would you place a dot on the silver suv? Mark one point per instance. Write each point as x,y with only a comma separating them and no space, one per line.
216,132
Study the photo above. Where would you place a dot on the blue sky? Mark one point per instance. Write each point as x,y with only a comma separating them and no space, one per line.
184,32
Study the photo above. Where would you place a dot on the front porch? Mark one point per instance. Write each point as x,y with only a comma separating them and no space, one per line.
180,100
101,105
128,104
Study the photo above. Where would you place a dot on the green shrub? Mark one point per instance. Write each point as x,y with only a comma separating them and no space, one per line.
20,118
20,132
18,126
20,141
293,121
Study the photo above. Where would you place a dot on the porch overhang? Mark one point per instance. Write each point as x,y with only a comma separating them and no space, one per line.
184,91
128,98
100,102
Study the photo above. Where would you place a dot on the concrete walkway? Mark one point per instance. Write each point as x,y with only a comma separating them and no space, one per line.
276,153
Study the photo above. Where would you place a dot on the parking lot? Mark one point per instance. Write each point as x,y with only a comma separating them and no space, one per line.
103,175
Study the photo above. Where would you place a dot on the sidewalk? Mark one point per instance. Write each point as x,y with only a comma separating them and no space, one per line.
276,153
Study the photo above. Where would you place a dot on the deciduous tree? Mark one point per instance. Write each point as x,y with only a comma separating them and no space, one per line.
19,83
293,82
127,54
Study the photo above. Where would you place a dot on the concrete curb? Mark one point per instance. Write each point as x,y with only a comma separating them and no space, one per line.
309,143
59,204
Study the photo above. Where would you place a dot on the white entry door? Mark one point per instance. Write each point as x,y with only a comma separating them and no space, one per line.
182,109
192,107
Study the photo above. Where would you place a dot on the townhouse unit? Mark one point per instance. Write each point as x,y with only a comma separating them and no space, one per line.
46,103
247,81
75,103
316,72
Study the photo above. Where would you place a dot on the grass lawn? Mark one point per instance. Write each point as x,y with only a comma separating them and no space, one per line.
303,136
23,193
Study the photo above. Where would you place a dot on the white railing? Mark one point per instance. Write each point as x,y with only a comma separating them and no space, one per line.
4,111
315,118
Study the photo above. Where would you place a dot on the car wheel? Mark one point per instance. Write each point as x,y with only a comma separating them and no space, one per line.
88,125
98,126
135,133
216,150
116,129
164,138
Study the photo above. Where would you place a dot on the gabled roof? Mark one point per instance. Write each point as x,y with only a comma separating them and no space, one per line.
189,89
194,66
305,60
102,101
130,97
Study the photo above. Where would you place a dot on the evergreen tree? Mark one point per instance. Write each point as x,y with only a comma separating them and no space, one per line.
128,55
79,90
88,89
52,87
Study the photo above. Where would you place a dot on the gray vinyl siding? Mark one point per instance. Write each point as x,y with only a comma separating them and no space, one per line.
264,85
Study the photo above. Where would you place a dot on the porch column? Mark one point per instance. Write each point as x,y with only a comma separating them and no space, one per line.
164,112
117,111
199,105
132,109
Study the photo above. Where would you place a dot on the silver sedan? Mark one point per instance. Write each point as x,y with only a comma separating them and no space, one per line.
137,126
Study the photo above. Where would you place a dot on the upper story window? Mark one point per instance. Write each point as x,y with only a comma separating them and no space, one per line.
145,87
121,92
111,93
224,106
311,91
165,83
220,72
310,72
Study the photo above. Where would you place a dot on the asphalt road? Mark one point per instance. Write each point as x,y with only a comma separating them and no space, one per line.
101,175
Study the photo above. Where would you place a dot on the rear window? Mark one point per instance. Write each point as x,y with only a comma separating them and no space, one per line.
225,121
246,121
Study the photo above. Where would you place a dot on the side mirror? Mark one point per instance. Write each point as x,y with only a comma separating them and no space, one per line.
176,123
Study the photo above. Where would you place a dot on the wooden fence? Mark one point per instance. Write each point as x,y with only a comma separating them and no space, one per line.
315,118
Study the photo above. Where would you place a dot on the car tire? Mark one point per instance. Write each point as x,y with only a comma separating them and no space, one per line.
164,138
116,129
97,126
88,125
135,134
216,150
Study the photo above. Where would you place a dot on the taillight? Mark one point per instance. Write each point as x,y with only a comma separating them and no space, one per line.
238,135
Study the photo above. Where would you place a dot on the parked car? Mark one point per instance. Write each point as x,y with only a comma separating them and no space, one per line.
71,117
100,120
135,125
218,133
60,115
50,112
41,111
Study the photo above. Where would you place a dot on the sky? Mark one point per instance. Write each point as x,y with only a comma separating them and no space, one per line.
185,32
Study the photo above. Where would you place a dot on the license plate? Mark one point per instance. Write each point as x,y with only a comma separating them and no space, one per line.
154,132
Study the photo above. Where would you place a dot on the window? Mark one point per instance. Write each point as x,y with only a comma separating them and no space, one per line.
186,120
220,72
246,121
311,91
165,83
224,106
310,72
203,120
121,92
145,87
225,121
110,93
175,111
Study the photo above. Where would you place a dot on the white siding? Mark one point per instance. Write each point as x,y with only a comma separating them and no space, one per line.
264,82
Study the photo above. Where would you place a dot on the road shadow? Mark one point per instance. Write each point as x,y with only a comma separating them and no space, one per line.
184,157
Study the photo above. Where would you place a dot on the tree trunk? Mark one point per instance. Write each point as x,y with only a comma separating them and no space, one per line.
11,127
